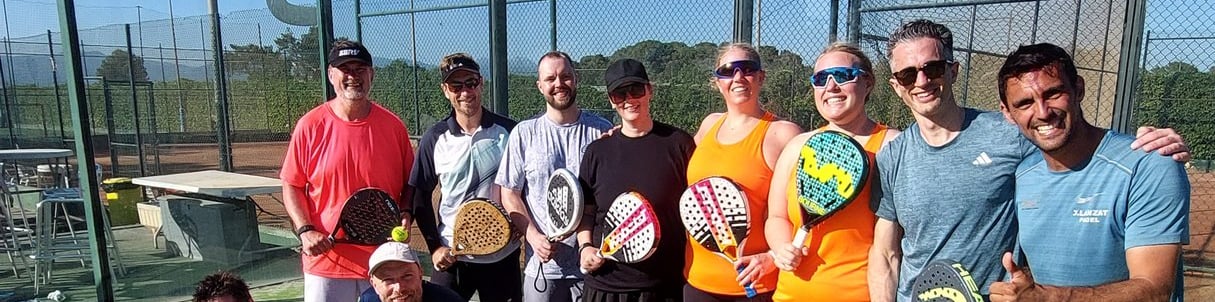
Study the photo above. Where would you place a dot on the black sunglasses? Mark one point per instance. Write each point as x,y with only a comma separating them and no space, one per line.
932,69
469,83
747,67
624,92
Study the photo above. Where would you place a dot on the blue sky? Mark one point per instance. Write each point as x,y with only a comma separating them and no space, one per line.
585,26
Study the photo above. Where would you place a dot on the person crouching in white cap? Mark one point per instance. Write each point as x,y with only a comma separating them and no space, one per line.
396,276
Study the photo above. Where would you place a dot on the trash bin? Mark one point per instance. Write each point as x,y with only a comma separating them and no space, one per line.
121,196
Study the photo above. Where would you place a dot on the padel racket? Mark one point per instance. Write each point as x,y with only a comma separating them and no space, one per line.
634,230
945,280
367,218
831,171
714,211
481,228
565,203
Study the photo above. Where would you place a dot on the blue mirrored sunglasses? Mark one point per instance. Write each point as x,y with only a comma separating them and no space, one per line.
841,75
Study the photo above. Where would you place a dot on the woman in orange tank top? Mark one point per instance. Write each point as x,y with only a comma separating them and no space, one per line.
741,144
834,259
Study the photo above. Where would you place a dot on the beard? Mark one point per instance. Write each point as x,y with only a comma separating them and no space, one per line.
353,94
568,101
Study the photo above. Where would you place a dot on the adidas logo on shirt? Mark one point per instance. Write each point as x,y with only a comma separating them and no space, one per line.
982,160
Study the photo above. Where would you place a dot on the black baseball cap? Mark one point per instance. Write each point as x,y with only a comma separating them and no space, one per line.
624,71
354,52
459,63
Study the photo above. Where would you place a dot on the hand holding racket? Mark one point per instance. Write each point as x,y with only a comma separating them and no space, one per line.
945,280
634,231
1019,283
831,170
714,211
367,218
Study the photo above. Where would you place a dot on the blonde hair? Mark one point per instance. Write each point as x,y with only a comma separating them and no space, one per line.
852,49
752,53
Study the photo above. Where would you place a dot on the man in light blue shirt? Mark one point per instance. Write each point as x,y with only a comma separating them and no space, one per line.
1097,220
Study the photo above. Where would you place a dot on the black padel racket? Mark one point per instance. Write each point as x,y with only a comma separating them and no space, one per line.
831,171
634,229
481,228
945,280
714,211
565,203
367,218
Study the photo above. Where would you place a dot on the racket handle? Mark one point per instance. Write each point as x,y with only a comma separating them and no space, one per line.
750,290
799,239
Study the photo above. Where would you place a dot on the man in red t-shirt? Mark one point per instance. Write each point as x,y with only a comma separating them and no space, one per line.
337,148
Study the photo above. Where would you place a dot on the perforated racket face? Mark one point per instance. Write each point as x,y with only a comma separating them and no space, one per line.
945,281
714,211
367,218
634,229
565,202
831,171
482,228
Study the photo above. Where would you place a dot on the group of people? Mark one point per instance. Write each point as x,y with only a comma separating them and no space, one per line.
1035,187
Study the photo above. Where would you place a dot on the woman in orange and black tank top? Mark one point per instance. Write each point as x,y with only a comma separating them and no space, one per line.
741,144
833,263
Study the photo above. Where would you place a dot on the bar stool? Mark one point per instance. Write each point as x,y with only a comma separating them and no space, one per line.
15,231
50,245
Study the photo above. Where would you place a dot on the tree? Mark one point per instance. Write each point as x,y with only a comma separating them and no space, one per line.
260,63
115,67
302,54
1180,96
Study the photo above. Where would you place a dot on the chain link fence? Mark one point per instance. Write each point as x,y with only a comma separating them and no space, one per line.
1177,89
161,116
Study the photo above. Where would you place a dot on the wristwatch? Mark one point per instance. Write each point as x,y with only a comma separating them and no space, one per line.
304,229
584,245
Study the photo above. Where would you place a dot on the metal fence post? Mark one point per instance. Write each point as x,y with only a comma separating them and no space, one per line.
55,79
854,21
552,25
497,42
358,20
143,166
8,109
324,16
744,20
108,99
222,112
1128,67
833,32
102,279
413,47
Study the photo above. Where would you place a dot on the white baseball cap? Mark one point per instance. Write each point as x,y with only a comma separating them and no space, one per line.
391,251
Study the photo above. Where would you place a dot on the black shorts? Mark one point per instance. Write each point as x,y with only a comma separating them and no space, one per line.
590,294
695,294
499,281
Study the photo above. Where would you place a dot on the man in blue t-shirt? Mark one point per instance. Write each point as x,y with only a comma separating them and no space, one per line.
1098,221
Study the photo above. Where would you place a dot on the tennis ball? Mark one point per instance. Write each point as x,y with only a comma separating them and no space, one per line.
400,234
